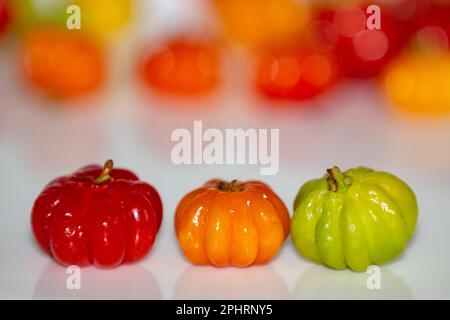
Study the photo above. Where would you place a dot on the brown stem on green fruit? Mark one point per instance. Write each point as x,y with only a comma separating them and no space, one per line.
105,175
230,186
337,181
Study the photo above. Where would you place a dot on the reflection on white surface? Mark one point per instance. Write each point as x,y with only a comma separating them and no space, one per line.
125,282
257,282
319,282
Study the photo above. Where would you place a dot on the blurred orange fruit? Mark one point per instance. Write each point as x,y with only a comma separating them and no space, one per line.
63,64
260,23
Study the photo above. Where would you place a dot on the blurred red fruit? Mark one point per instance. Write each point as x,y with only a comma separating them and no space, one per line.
364,52
4,16
295,74
434,27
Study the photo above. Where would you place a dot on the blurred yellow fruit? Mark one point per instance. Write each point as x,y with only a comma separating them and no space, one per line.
105,17
420,83
259,23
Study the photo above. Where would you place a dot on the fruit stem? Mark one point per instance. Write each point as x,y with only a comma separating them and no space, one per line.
229,186
105,174
337,181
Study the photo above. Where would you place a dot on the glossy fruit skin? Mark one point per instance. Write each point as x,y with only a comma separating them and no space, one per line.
296,74
367,220
183,67
79,222
243,225
62,64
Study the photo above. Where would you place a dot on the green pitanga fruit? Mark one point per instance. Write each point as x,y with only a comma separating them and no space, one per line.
353,219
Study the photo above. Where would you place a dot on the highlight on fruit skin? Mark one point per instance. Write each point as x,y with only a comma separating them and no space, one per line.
353,219
62,64
183,67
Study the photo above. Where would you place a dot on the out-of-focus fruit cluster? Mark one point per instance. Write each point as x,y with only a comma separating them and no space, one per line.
299,49
418,80
59,62
404,43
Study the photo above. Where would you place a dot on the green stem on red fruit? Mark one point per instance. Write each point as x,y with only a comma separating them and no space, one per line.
337,181
105,174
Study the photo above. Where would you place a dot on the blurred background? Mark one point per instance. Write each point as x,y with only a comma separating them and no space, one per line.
344,88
